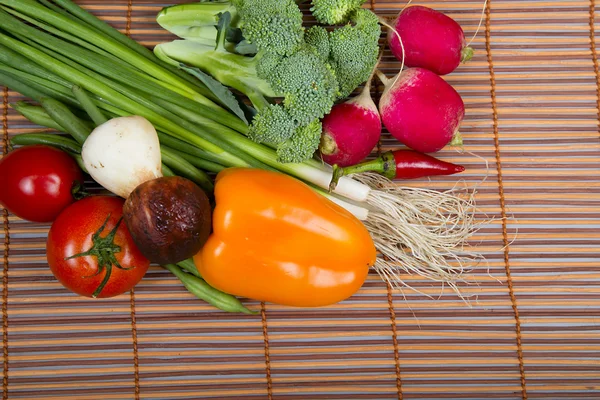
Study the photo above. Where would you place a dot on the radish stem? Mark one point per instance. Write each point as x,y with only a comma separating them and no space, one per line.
384,79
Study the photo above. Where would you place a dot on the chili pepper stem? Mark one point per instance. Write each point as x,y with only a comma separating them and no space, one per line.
385,165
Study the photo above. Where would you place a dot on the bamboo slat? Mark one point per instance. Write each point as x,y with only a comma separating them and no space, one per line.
527,328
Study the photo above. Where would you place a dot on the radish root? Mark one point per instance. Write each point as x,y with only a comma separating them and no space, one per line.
421,232
480,22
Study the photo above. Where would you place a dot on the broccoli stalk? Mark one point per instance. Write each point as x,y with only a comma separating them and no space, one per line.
233,70
198,22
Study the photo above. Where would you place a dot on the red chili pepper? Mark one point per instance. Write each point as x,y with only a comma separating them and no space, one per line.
400,164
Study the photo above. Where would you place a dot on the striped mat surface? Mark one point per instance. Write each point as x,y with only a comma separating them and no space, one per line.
529,330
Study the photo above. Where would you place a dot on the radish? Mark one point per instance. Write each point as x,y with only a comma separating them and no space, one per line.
351,130
421,110
431,40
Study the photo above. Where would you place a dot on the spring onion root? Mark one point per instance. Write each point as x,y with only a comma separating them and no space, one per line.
421,231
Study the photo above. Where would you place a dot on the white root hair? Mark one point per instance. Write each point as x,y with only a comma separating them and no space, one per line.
421,232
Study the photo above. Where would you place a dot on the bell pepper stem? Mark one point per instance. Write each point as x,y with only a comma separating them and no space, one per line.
385,165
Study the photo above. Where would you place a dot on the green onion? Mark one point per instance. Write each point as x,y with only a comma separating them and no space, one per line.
35,114
108,30
65,118
49,139
89,106
183,168
166,171
203,164
82,31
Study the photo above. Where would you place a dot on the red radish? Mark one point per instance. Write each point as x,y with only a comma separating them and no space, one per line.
431,40
400,164
421,110
351,130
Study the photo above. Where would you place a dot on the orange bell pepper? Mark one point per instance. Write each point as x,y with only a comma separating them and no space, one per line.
274,239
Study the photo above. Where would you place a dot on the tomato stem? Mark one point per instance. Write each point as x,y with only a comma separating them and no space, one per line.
78,191
104,249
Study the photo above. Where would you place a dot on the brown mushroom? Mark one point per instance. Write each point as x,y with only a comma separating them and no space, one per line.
169,219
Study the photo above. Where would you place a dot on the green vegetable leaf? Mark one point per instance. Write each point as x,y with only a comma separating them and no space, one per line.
245,48
224,95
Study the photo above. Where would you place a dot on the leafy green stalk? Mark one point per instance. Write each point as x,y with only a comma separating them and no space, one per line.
13,59
35,87
204,291
108,30
126,84
65,118
108,67
88,105
166,171
58,33
139,106
186,149
203,164
35,114
198,21
96,59
49,139
233,70
259,152
185,169
106,41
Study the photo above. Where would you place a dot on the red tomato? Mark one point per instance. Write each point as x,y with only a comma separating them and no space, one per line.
90,250
37,182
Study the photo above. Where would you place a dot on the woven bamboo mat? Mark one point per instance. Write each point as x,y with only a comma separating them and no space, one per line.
533,327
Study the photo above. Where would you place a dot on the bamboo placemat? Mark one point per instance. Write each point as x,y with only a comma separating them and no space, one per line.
532,329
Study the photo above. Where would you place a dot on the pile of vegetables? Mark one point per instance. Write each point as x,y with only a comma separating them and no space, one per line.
261,49
278,224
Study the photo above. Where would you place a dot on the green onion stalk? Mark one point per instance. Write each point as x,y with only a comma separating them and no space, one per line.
69,60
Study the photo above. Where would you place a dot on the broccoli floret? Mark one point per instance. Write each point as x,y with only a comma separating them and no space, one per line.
266,63
272,125
334,12
354,50
307,83
318,37
284,66
302,145
274,26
